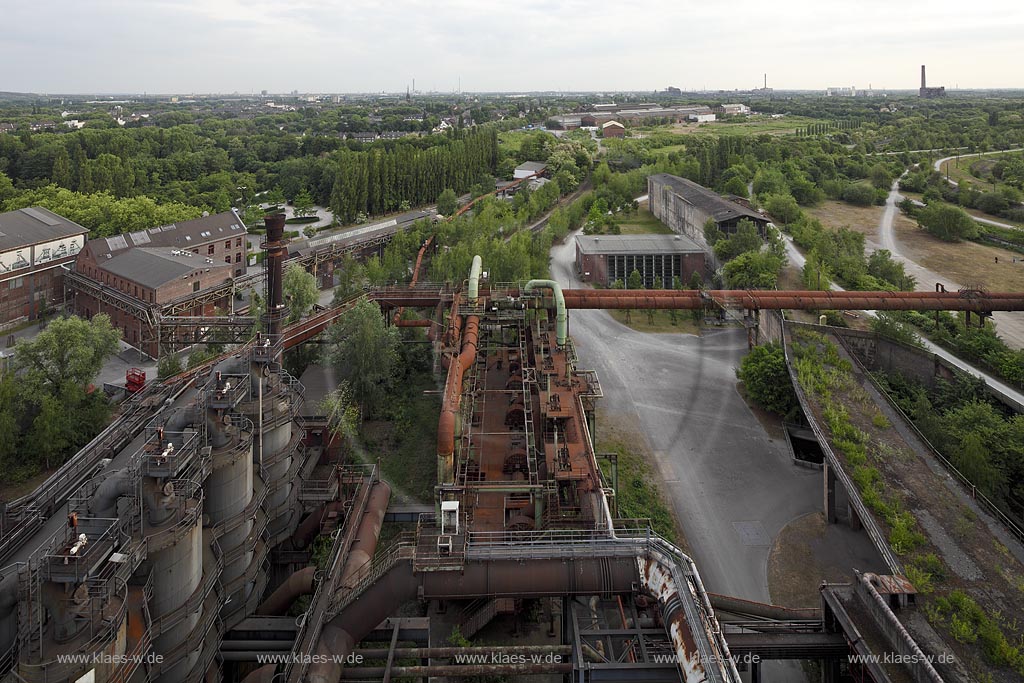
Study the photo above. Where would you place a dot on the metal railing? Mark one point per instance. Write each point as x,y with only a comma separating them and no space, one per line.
972,490
832,460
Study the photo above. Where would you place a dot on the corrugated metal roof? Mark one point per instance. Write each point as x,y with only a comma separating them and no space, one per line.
637,244
709,201
184,235
153,267
25,227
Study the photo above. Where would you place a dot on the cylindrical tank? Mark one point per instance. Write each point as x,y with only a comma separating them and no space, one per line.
228,491
176,560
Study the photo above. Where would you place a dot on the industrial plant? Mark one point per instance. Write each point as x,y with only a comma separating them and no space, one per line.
174,546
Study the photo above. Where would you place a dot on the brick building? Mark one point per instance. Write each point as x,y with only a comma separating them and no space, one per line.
132,276
613,129
603,259
34,244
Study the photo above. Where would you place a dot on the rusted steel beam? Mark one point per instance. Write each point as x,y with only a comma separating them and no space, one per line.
431,652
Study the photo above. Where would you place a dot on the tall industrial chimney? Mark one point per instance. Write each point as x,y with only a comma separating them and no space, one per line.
277,252
923,83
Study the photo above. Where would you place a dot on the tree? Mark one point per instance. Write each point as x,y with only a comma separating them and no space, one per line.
364,352
342,412
782,207
70,350
635,280
889,325
753,270
169,365
743,240
736,186
947,222
447,202
300,291
859,194
765,376
303,205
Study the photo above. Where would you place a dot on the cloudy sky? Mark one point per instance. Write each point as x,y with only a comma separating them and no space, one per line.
185,46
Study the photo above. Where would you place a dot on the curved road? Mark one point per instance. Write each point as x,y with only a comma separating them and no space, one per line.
987,221
732,487
1010,324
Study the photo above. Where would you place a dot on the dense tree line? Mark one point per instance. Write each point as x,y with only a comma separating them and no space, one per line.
377,181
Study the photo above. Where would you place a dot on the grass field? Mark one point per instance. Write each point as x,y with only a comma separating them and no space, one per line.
638,495
643,223
783,126
835,215
960,170
965,262
658,321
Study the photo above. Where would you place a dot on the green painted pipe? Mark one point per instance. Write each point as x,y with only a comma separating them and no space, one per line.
561,319
474,279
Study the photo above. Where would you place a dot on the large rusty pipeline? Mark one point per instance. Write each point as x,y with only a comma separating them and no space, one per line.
447,422
807,300
360,554
727,603
494,578
298,584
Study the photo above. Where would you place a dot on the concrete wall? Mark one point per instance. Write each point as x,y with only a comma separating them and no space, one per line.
879,353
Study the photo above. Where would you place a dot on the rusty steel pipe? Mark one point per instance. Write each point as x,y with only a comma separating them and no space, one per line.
299,583
311,525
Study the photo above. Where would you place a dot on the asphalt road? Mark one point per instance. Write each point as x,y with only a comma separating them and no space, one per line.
733,488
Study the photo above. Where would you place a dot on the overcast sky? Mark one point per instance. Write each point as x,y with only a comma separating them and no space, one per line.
186,46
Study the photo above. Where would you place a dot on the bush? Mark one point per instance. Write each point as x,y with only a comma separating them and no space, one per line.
947,222
859,194
764,374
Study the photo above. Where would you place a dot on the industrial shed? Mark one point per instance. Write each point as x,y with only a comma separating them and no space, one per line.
603,259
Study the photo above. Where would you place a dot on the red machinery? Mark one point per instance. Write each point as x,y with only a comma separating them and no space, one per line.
134,380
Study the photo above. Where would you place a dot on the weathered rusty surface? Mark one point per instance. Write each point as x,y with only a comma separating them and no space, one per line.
425,652
658,580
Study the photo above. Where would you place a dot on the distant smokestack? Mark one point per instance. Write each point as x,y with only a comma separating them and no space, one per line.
923,82
766,81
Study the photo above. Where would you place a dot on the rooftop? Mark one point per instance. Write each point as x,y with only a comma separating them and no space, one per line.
608,124
151,267
709,201
637,244
531,166
184,235
25,227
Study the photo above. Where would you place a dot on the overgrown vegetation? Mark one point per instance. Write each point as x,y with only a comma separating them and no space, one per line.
981,437
826,377
48,406
765,376
637,496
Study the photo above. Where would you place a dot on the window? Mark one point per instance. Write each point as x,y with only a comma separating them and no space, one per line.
238,257
238,242
227,244
195,286
227,259
209,249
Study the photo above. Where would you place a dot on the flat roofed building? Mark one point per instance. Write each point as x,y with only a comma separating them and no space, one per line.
34,244
603,259
529,168
685,206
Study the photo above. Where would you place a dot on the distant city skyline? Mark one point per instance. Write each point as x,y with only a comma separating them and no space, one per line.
349,46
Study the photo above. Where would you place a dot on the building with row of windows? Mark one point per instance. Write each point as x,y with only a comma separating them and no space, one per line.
151,268
34,245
